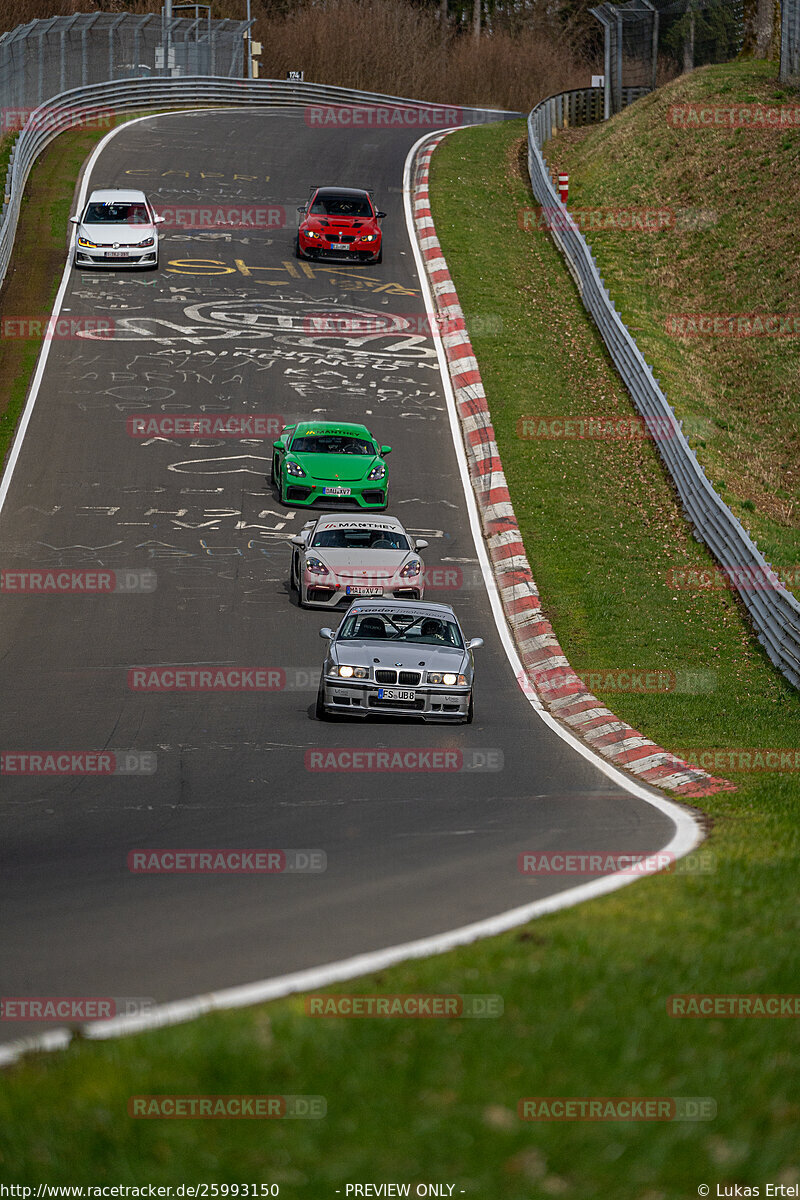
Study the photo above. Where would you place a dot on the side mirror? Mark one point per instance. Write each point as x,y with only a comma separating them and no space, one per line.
301,208
298,540
420,543
74,220
380,214
327,634
473,643
159,220
386,449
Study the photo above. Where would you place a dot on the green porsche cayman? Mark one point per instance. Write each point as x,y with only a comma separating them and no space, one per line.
330,462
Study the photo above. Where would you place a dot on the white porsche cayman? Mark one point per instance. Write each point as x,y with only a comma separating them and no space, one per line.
341,557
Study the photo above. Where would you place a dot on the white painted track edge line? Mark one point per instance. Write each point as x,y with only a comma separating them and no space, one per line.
688,833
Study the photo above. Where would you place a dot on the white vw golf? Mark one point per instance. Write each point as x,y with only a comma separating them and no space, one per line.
116,229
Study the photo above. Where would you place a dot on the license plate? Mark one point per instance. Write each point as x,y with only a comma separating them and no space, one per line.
395,694
339,246
337,491
364,591
116,253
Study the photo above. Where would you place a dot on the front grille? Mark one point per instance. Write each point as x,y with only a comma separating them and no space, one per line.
320,593
373,497
297,493
407,678
335,237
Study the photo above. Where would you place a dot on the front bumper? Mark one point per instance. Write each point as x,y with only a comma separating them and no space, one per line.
300,492
359,698
320,591
355,252
132,258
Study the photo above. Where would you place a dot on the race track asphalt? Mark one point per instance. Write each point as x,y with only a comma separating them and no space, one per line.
227,325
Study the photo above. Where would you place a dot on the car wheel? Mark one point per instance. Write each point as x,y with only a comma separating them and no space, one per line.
319,710
294,581
380,256
298,253
274,473
470,712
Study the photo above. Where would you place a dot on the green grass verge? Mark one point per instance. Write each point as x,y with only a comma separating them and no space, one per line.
585,990
734,249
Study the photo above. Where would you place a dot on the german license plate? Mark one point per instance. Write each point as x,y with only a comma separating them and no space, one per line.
395,694
339,246
364,591
116,253
337,491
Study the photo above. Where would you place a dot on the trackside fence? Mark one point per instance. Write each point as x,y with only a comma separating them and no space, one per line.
101,102
775,612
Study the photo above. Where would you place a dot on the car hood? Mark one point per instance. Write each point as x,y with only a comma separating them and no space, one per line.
410,657
126,235
384,561
337,468
343,224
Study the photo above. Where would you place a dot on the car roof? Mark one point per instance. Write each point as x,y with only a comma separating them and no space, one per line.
117,196
425,608
304,427
341,191
346,521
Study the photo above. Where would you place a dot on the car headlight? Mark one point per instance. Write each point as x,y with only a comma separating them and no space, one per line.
316,566
369,237
151,241
293,468
447,678
411,568
351,672
310,233
377,472
84,241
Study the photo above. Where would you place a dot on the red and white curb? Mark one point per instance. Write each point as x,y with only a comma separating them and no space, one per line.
545,665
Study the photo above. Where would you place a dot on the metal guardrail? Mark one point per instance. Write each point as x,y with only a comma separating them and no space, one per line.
92,104
775,612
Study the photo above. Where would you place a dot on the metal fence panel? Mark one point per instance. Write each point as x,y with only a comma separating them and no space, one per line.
44,58
790,41
775,612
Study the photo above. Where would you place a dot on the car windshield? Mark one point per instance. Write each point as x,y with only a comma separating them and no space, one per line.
331,444
401,627
334,204
360,539
116,214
